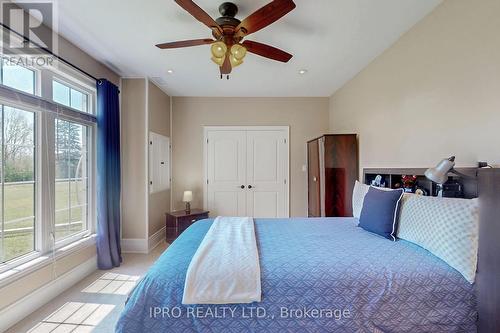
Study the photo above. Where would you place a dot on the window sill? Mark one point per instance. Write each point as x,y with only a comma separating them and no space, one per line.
39,262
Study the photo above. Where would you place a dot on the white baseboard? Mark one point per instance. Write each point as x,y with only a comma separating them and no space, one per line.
156,239
19,310
144,246
134,245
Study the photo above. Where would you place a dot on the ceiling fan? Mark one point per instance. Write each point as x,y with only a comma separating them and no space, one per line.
228,48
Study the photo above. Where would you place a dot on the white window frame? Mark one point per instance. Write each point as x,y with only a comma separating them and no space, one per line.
90,93
45,161
91,209
37,78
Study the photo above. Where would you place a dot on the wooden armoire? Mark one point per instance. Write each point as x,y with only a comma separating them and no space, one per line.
332,171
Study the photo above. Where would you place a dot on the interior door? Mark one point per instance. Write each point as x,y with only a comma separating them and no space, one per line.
267,156
226,173
313,179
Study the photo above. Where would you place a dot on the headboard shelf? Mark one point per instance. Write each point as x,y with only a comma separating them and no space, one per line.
392,177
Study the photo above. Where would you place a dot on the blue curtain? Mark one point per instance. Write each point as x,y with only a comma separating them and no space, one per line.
108,176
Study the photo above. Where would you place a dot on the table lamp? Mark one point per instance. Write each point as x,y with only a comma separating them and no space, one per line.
187,198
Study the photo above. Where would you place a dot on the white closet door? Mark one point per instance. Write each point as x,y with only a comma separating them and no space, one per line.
267,163
226,167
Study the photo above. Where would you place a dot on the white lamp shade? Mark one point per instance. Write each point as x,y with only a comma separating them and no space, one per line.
188,196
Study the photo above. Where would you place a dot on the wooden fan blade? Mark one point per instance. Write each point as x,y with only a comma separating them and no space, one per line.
267,51
185,43
226,67
199,14
265,16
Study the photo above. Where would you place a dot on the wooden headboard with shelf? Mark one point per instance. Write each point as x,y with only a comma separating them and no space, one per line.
488,269
392,176
485,185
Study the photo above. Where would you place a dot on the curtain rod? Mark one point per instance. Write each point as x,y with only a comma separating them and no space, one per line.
50,52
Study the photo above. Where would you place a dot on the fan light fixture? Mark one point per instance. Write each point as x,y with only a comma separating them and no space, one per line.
236,54
228,40
219,50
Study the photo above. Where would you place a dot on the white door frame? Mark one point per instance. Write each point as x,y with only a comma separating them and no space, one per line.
206,129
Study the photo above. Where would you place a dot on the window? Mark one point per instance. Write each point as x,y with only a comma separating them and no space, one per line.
69,96
47,185
71,183
18,77
17,192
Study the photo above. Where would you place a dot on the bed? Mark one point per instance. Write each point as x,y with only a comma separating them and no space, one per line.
318,275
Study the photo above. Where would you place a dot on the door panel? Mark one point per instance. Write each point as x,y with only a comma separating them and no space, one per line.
227,203
226,165
314,208
265,204
266,171
265,164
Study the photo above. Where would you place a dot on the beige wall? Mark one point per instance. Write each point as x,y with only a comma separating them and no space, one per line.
159,122
77,57
142,110
436,92
134,158
307,118
29,283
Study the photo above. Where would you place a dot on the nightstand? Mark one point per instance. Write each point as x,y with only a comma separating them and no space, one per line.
178,221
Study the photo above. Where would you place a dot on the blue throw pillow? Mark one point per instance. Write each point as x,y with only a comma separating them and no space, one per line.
380,211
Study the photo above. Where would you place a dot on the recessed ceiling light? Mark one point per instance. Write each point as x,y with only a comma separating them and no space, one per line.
302,71
170,71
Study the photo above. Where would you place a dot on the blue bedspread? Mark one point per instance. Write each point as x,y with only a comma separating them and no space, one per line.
318,275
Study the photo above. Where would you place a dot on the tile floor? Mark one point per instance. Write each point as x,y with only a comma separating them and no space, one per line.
94,304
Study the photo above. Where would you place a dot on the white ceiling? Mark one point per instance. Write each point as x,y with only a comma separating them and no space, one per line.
332,39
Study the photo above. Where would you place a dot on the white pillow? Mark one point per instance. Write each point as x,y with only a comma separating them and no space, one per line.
358,197
446,227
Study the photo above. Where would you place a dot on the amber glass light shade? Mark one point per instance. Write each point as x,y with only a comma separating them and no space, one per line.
219,50
235,62
239,52
219,61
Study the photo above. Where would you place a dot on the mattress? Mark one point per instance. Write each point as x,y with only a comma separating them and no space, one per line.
317,275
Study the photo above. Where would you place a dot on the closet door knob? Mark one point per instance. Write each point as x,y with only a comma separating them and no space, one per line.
250,186
242,187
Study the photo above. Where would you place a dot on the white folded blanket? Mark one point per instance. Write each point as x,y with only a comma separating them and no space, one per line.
225,269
